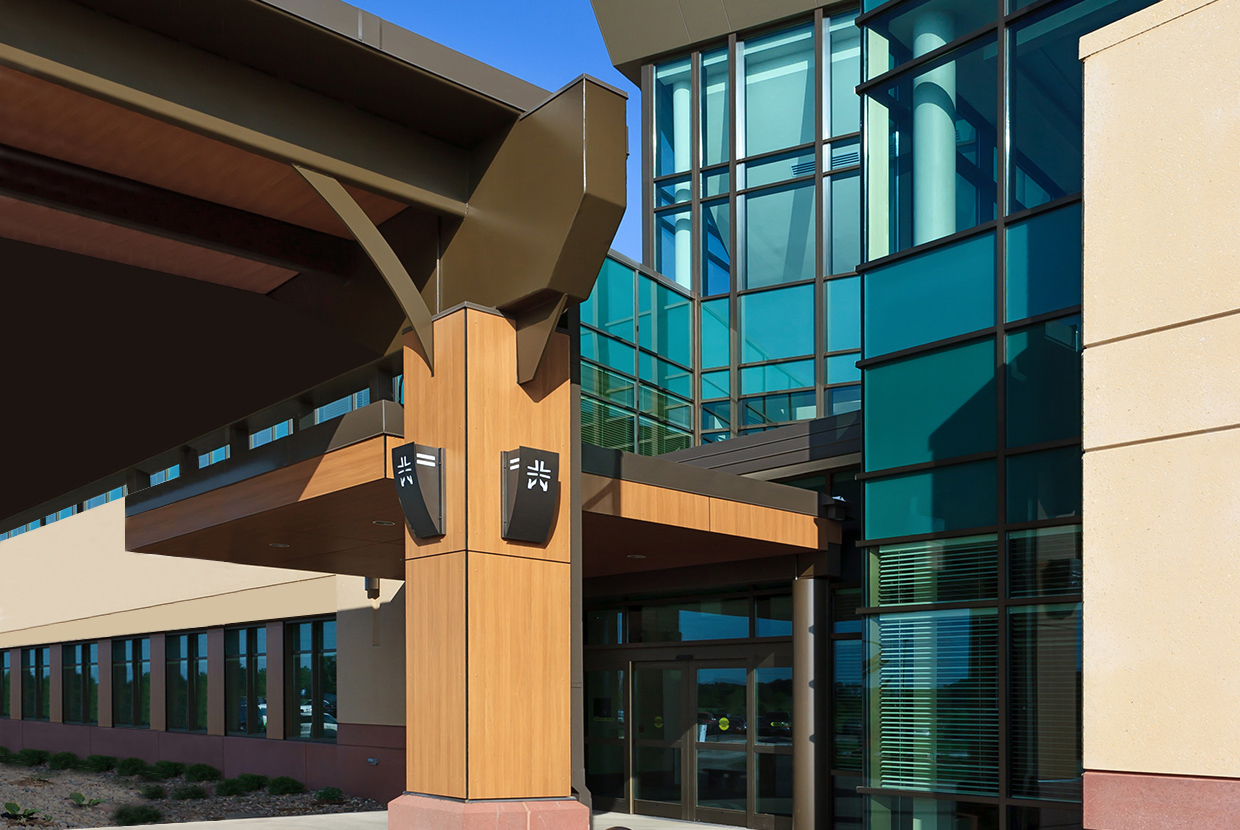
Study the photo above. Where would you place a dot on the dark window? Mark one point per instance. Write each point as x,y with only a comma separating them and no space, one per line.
80,686
187,682
131,682
311,711
6,680
245,681
36,683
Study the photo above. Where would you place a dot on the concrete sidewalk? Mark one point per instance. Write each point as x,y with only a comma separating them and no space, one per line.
334,821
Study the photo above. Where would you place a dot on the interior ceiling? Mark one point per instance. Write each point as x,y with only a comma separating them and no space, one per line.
55,121
96,357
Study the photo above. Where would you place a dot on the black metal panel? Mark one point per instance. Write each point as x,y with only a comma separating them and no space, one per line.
418,473
531,494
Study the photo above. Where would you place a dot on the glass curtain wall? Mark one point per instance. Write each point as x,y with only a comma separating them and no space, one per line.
311,680
36,683
187,682
6,688
245,681
972,420
755,197
131,682
636,358
80,683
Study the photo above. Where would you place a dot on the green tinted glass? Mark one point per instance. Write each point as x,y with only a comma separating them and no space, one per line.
777,324
1044,382
716,328
1044,485
664,324
946,498
951,570
1044,263
610,306
778,233
777,377
843,298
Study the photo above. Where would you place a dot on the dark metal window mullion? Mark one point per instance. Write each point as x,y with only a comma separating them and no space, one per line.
822,88
734,340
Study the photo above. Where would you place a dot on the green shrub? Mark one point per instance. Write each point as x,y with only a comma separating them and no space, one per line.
285,786
130,766
32,757
5,754
99,763
189,791
62,760
330,795
144,814
150,773
231,786
202,772
152,791
169,769
252,782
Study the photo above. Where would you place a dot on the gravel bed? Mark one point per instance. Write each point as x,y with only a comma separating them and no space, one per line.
48,792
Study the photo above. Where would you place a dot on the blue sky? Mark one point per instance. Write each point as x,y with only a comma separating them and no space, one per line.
546,42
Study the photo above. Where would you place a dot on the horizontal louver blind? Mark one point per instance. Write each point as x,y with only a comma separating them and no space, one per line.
938,696
1046,702
607,426
938,571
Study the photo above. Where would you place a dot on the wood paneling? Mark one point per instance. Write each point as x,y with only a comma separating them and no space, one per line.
435,416
55,121
504,416
435,645
754,522
645,502
519,663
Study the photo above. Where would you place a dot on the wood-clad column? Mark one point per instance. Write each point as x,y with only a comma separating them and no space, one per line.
488,621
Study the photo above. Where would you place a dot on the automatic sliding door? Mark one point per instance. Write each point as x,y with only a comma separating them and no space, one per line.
721,745
658,740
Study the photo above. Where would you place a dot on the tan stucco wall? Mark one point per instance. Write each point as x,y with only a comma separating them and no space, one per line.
1162,391
370,639
74,580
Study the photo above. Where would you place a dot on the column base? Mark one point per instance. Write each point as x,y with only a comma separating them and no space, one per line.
412,811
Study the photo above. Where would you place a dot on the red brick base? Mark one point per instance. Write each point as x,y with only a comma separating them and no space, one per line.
421,812
1144,801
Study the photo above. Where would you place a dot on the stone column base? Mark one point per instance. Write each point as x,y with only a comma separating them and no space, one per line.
412,811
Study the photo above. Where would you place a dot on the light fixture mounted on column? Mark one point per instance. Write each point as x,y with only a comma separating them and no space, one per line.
531,494
418,472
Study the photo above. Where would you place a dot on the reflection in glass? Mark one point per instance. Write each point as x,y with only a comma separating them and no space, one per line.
774,784
1044,382
779,90
716,258
940,570
714,182
777,324
604,692
774,409
656,704
847,710
956,497
716,333
777,377
721,779
673,249
610,386
722,704
842,368
847,805
1044,562
672,191
608,351
843,314
610,306
773,690
706,619
671,117
916,28
1044,485
664,323
656,773
773,616
843,399
845,232
654,438
1045,669
778,235
775,169
906,813
605,774
717,415
666,407
716,384
604,425
715,106
845,43
665,374
604,627
1044,263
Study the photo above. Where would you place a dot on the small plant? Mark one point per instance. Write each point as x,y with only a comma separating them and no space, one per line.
252,782
5,754
142,814
231,786
13,810
284,785
99,763
130,766
330,795
202,772
62,760
151,774
152,792
82,801
190,791
169,769
32,757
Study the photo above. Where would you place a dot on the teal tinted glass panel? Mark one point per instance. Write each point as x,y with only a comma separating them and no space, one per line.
843,399
671,377
932,406
671,117
777,377
844,191
673,245
610,386
672,191
931,296
933,685
1045,670
1044,562
917,28
717,415
1044,382
773,409
848,705
843,298
943,115
1044,485
777,324
778,235
716,253
716,384
904,812
845,43
1044,263
846,153
941,570
780,168
842,368
779,90
712,437
611,353
664,324
716,334
714,183
715,106
654,438
946,498
610,306
666,407
604,425
1045,100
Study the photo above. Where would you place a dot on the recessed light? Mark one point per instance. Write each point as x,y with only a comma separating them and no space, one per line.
637,556
278,545
383,523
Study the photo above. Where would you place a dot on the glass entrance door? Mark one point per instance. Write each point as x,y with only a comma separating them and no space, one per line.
659,732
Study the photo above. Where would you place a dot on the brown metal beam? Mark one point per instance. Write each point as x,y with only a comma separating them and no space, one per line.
59,185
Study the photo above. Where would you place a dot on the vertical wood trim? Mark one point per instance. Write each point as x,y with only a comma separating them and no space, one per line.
275,680
105,682
159,683
56,683
215,681
435,643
